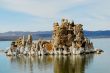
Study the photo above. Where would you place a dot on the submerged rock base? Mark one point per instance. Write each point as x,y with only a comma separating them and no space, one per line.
67,39
42,52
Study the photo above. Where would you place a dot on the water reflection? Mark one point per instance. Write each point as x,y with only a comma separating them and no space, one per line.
55,64
72,64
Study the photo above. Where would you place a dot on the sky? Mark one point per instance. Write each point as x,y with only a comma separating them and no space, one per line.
39,15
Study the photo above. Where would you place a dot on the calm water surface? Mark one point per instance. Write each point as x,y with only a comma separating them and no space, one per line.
92,63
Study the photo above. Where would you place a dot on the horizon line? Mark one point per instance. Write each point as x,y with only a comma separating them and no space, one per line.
48,30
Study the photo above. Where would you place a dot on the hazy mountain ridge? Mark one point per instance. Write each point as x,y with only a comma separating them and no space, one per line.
14,35
97,34
47,34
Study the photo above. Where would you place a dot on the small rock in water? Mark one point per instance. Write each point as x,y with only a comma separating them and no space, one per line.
98,51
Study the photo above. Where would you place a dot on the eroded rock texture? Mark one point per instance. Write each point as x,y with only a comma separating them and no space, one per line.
70,37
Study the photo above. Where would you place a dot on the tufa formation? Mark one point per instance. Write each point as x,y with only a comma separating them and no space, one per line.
67,39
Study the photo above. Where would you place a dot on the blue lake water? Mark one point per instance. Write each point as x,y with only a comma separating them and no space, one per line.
92,63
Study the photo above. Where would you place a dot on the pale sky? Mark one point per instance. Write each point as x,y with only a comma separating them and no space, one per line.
39,15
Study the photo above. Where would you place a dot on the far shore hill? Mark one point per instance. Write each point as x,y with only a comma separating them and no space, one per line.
10,36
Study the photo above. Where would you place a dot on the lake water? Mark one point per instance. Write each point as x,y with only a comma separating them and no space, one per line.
91,63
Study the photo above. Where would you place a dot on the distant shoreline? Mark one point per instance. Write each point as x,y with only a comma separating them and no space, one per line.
10,36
